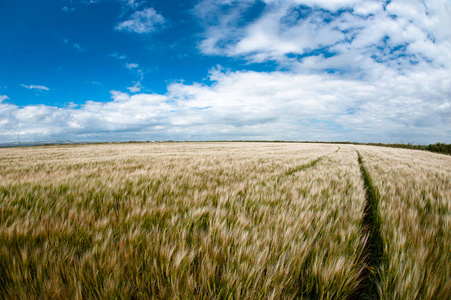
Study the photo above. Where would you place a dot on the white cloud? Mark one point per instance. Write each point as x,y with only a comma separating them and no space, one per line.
35,87
143,21
136,88
249,105
131,66
119,56
401,35
3,98
132,3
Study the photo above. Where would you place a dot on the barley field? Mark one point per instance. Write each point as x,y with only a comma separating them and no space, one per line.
224,221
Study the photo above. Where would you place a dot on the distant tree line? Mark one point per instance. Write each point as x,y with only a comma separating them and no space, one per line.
437,147
440,148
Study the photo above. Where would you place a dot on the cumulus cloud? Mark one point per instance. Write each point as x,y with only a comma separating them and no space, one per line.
143,21
255,105
347,35
35,87
3,98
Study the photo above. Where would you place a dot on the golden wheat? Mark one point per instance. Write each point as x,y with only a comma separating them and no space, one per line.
180,220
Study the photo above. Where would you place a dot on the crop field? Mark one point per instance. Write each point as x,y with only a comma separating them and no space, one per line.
415,211
224,220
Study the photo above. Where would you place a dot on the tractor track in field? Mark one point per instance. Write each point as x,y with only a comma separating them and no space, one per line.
303,167
372,254
308,165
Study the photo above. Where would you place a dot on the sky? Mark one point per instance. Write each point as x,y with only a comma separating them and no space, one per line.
298,70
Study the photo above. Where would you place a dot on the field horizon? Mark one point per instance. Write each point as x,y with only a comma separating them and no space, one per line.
438,147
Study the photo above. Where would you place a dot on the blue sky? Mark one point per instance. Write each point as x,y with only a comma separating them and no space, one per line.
317,70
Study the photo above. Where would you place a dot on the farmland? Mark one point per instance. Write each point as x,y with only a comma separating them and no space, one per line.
224,220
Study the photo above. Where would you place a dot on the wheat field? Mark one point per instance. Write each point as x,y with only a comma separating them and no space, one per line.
415,211
222,220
